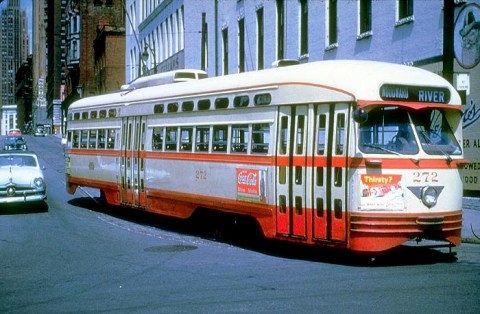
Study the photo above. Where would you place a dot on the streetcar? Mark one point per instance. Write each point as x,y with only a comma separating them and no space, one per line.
358,155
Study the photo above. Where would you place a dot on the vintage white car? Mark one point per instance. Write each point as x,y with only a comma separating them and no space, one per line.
21,178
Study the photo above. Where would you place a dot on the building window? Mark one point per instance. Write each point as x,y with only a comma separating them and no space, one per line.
241,45
303,27
225,50
404,12
280,30
260,39
331,24
364,18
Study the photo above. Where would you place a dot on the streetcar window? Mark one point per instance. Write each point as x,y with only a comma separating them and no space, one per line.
262,99
76,139
110,138
319,207
69,117
282,174
171,139
338,176
186,139
298,175
172,107
260,138
83,139
103,114
157,138
202,139
282,204
283,135
112,113
92,139
76,116
101,138
340,137
435,133
240,137
220,138
187,106
204,104
69,139
300,134
321,134
84,115
298,205
221,103
337,208
241,101
319,177
387,131
158,108
143,137
93,115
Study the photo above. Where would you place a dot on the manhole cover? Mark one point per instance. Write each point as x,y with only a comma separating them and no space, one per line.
170,248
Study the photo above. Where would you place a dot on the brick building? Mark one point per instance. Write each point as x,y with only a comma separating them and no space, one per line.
95,45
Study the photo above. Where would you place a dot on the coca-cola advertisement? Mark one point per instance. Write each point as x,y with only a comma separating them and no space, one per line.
251,185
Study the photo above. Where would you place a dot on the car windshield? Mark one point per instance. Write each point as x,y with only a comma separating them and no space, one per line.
17,160
14,139
395,130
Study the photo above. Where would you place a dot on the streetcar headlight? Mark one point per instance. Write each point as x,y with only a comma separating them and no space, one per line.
429,196
38,182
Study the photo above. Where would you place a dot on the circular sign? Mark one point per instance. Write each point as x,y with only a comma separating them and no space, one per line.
467,36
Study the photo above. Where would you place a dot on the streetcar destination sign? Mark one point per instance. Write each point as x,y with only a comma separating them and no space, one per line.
415,93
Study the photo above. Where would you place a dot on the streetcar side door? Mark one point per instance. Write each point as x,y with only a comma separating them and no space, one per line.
311,168
291,167
329,171
132,162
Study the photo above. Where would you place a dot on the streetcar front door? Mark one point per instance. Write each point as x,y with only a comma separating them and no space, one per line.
311,171
132,163
329,172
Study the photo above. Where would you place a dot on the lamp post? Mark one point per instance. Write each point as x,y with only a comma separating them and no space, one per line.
145,56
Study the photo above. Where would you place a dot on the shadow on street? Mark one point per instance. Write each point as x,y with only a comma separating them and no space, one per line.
245,233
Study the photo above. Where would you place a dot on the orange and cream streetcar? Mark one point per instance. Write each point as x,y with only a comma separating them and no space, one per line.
350,154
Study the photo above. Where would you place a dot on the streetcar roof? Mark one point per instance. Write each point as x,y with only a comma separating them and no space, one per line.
342,80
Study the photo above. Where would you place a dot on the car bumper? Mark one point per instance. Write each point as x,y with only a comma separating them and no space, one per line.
24,198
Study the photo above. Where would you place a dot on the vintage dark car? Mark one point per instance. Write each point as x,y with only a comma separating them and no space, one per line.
21,178
15,143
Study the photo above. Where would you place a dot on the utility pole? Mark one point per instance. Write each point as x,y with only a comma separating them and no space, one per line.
448,36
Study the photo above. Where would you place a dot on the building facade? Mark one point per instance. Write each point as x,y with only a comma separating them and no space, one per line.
39,72
13,52
224,37
95,46
55,12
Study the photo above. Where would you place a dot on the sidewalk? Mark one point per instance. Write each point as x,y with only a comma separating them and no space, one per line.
471,220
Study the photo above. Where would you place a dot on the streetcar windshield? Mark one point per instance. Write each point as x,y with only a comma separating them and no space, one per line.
395,130
388,131
435,133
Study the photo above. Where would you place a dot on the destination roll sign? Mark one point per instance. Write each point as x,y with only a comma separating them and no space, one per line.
415,93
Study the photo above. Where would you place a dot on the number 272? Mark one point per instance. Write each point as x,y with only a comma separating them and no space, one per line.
425,176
